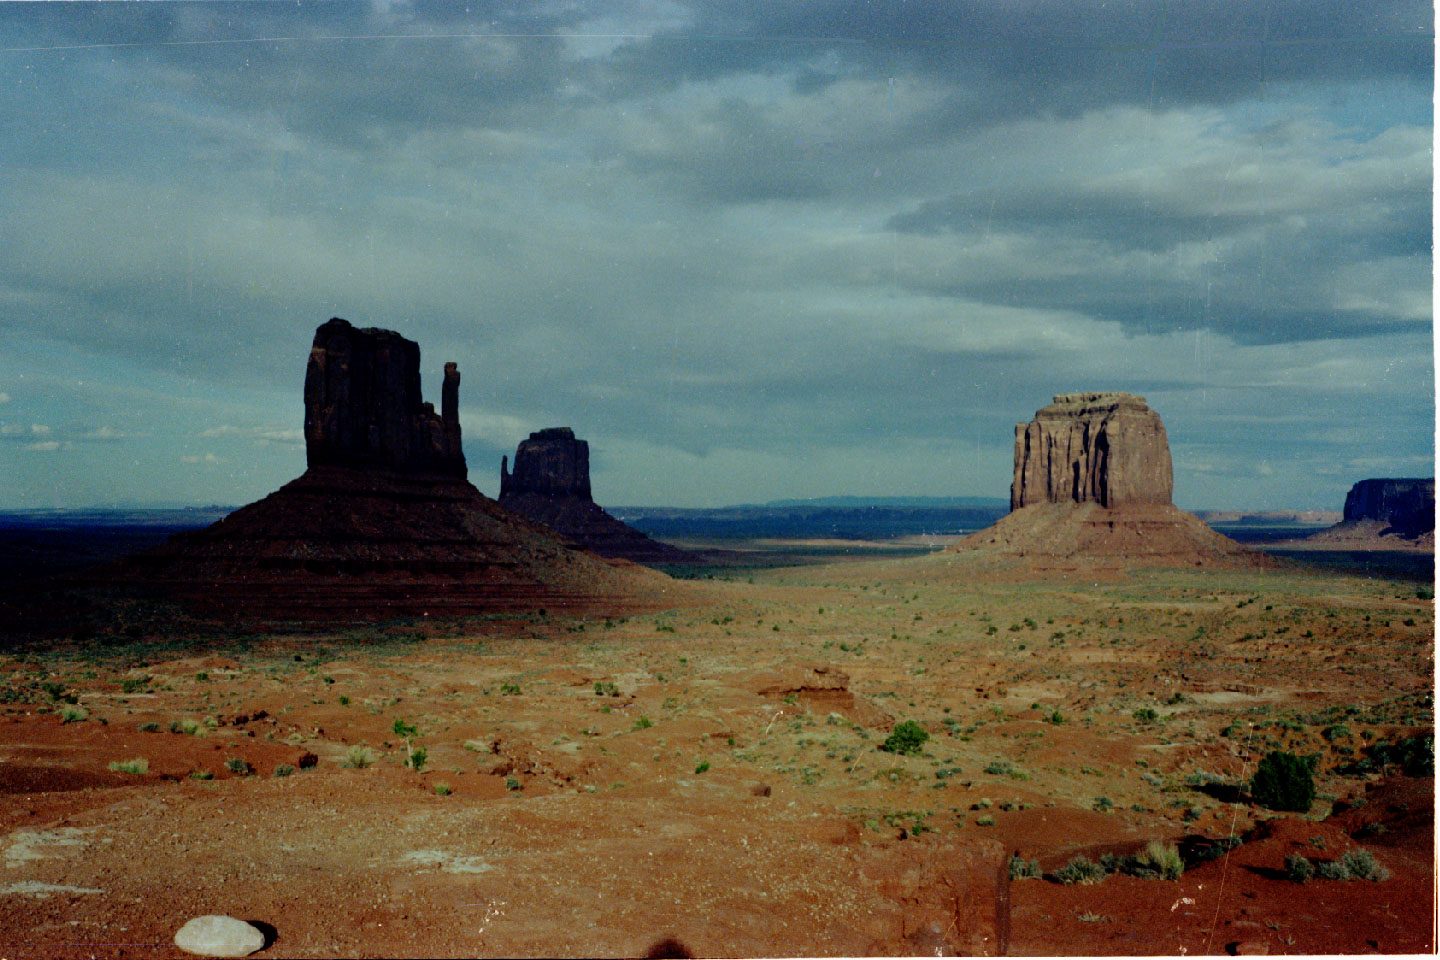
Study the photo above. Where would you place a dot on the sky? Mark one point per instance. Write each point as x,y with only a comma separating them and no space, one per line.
748,251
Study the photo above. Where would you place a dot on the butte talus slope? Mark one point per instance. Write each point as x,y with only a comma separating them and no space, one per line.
551,486
1092,478
383,521
1384,513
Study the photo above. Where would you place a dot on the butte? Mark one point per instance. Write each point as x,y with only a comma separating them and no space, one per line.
1384,513
551,486
1093,481
383,522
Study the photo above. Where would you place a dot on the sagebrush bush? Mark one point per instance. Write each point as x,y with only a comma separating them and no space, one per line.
358,757
238,766
1020,868
1162,858
1283,781
1080,869
1362,865
73,714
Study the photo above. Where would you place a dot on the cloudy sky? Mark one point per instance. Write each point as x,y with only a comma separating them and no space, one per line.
747,250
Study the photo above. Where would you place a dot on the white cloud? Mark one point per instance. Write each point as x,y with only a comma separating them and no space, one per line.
44,445
39,429
4,397
197,458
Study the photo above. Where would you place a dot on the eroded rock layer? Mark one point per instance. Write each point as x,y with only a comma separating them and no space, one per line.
1382,514
383,522
551,486
1105,448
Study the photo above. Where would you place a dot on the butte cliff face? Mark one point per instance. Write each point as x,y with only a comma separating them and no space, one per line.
1092,479
551,486
1104,448
1406,506
363,407
1382,514
382,522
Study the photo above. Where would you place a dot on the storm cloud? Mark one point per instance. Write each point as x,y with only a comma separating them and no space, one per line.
746,250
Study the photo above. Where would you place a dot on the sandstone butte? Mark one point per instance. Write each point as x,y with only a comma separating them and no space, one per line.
1383,513
1092,478
383,521
551,486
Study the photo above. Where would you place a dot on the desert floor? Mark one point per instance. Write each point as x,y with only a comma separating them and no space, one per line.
714,773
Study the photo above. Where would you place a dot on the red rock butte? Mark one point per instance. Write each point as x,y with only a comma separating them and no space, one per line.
551,486
1092,478
383,521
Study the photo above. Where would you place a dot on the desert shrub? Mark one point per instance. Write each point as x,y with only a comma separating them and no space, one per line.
1283,781
201,775
416,759
442,789
137,766
1414,755
1102,805
643,723
1360,865
1335,732
238,766
511,783
702,766
1145,715
510,689
984,821
1021,868
358,757
604,688
999,768
1082,870
1298,869
1332,870
1162,859
73,714
284,770
905,737
135,684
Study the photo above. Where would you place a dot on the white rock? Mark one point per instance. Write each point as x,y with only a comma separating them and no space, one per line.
217,936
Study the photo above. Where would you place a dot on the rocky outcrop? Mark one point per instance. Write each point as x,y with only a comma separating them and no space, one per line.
551,486
1406,506
551,463
363,407
1092,480
383,522
1103,448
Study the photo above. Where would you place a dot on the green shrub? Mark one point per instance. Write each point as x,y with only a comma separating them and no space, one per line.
149,726
510,689
201,775
442,789
73,714
138,766
1145,715
643,723
1359,865
511,783
416,759
905,737
1284,781
702,766
1161,858
1102,805
238,766
1080,870
284,770
1298,869
135,684
1021,868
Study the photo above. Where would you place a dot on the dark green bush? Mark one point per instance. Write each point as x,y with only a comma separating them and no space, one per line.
1284,781
1080,870
905,737
1298,869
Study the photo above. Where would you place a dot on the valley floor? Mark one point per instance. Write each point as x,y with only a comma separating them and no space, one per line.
715,774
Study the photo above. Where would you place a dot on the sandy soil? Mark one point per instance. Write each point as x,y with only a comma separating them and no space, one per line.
713,774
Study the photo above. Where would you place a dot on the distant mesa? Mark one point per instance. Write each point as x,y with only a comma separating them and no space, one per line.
1092,478
382,521
551,486
1382,514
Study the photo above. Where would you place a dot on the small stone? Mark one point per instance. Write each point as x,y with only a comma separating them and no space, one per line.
1248,948
218,936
